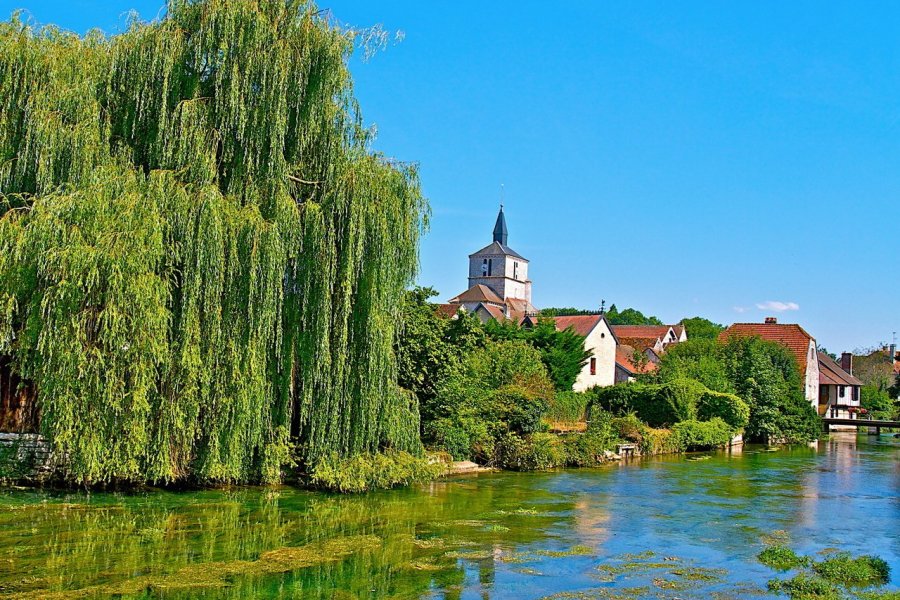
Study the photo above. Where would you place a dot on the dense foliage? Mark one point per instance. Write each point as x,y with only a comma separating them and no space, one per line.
763,374
201,262
498,391
665,404
562,352
699,328
878,403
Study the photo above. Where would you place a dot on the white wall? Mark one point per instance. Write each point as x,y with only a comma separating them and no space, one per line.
602,346
812,375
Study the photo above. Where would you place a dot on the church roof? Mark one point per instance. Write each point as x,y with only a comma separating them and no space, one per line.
498,248
501,234
478,293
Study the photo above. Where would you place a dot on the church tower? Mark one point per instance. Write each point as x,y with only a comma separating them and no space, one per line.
499,267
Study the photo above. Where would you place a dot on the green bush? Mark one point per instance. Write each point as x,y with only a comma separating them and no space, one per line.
519,408
781,558
842,568
536,452
568,407
727,407
806,587
661,441
372,471
702,435
587,449
657,405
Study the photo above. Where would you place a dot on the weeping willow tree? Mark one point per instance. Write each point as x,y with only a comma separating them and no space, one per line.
201,260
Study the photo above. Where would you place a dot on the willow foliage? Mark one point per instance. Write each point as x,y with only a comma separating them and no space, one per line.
201,261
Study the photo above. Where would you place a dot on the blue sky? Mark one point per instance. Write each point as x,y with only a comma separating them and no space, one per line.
681,158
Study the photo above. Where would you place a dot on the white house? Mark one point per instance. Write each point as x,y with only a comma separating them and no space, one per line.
838,389
600,342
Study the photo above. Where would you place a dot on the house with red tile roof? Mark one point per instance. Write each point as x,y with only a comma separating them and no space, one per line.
793,337
631,362
600,341
652,337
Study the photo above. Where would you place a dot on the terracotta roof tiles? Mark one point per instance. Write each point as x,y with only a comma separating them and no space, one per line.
790,335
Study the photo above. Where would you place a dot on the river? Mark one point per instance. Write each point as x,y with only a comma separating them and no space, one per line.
671,527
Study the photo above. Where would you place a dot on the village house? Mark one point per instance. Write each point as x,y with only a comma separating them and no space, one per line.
794,338
839,390
631,362
830,388
600,341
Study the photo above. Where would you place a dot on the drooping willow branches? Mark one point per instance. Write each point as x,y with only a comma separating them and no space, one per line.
200,259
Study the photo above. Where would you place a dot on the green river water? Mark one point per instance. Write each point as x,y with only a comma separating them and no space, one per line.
672,527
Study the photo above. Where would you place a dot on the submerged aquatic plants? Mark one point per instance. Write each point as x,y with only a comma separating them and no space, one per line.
200,260
827,579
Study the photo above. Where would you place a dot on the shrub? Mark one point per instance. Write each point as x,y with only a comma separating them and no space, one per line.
372,471
842,568
660,441
656,404
568,407
536,452
702,435
629,428
781,558
587,449
806,587
727,407
518,407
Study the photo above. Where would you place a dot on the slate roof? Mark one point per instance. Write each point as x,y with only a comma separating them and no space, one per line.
831,373
498,248
790,335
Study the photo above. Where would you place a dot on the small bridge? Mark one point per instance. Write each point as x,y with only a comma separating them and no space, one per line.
877,424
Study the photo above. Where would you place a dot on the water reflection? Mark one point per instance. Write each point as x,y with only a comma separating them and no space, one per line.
496,536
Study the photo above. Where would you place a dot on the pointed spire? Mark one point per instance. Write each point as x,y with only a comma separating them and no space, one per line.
500,232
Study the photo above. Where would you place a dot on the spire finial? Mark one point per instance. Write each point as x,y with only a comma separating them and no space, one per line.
501,197
603,307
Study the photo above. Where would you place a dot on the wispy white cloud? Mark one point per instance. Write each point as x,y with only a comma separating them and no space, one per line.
776,306
740,309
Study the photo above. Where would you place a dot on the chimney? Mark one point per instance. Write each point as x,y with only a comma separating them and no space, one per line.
847,362
771,321
893,353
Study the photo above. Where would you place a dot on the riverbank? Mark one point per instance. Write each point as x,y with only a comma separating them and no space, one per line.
655,527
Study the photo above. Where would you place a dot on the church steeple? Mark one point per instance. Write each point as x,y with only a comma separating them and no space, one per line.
500,232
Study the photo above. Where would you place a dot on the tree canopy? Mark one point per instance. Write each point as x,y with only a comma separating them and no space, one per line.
201,261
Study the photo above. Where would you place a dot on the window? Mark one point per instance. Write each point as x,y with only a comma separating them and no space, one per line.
515,270
856,393
593,366
484,266
841,391
490,266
